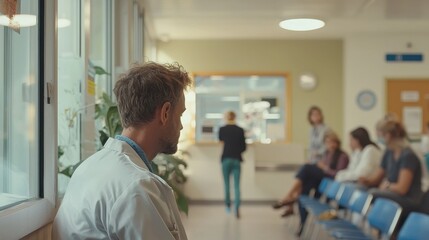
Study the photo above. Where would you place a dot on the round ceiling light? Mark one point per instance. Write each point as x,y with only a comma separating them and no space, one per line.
302,24
23,20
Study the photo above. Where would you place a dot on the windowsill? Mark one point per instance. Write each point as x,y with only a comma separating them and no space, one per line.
29,216
8,200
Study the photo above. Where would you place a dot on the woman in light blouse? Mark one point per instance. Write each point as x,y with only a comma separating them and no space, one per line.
365,158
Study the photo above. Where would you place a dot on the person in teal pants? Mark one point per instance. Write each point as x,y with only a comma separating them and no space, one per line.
234,144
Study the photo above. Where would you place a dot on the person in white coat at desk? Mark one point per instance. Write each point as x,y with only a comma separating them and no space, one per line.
114,194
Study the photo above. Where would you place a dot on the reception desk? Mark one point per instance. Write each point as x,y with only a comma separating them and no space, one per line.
267,171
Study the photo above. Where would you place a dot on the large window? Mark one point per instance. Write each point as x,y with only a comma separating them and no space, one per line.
19,107
85,75
70,80
27,119
261,103
101,48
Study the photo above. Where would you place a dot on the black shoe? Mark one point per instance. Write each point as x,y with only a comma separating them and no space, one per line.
287,213
282,204
278,205
237,214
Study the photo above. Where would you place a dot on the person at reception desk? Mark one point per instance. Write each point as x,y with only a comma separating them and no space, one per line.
234,144
114,194
316,147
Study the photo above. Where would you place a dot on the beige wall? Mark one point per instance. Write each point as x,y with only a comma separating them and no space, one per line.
321,57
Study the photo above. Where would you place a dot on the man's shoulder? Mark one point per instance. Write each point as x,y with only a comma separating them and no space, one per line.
149,180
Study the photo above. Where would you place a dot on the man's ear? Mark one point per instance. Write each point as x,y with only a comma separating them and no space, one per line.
165,112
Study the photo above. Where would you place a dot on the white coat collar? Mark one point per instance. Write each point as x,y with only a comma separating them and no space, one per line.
125,148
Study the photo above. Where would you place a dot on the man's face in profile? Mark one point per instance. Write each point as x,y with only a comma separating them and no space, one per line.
174,125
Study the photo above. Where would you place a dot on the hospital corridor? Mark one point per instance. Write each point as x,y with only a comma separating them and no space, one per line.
214,120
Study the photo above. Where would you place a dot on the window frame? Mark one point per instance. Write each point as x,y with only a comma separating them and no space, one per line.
34,214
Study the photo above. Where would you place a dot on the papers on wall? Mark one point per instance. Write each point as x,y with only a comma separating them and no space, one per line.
412,119
410,96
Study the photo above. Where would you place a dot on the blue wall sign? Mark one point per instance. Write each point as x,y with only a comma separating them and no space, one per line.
404,57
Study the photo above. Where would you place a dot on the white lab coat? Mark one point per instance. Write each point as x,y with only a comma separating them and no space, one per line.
363,163
113,195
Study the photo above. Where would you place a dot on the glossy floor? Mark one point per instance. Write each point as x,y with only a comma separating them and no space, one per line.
211,222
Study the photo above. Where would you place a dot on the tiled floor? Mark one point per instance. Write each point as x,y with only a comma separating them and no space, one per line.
261,222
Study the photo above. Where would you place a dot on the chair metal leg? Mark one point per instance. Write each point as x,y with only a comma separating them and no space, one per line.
307,231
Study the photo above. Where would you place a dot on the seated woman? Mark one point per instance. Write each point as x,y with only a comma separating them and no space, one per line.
399,176
309,176
365,157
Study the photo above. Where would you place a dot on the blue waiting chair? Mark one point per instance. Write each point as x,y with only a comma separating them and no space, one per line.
314,208
317,207
323,186
342,199
416,227
320,194
358,203
383,216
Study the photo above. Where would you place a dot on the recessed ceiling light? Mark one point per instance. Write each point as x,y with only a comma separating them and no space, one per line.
23,20
302,24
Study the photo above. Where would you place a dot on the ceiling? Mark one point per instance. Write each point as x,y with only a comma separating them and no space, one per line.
258,19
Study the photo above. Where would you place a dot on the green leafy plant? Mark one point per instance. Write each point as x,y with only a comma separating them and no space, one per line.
69,170
170,168
100,71
106,111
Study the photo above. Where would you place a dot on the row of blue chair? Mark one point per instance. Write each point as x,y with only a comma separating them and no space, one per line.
345,196
357,202
383,215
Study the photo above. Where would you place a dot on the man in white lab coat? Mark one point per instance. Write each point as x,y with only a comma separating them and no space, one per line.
114,194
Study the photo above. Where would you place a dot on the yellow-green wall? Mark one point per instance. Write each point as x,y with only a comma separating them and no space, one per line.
321,57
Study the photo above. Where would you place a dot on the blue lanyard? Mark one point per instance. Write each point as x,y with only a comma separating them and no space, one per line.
136,148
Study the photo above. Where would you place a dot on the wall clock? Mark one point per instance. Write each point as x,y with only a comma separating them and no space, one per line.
307,81
366,100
